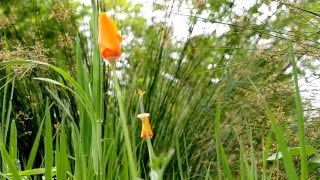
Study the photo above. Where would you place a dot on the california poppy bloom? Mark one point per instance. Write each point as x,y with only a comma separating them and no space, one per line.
109,38
146,128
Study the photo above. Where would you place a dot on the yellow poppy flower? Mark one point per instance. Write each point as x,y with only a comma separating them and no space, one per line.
146,127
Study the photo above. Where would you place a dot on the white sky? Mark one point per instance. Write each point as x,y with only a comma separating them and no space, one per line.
179,20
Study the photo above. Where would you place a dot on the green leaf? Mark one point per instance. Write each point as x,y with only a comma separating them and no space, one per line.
288,163
10,162
221,155
295,151
13,147
48,144
34,149
313,163
31,172
62,157
299,111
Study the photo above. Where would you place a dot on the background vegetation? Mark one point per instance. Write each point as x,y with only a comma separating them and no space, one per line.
224,101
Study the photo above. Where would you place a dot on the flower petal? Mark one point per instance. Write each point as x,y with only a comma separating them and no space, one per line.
109,38
146,127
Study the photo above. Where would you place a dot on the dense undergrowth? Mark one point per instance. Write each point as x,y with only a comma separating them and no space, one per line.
221,107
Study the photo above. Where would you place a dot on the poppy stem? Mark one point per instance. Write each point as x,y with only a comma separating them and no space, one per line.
125,129
149,144
141,93
141,105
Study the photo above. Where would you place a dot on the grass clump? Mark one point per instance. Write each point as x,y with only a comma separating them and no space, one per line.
214,106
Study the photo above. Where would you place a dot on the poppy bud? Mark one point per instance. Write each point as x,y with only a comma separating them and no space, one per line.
109,38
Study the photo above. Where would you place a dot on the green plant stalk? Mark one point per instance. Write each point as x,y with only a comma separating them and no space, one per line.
48,144
8,114
34,149
97,88
242,159
9,162
3,112
60,103
123,119
217,138
31,172
252,156
186,157
85,134
61,152
13,141
207,174
303,155
3,120
81,95
245,164
288,163
150,149
149,144
81,169
266,151
221,156
179,157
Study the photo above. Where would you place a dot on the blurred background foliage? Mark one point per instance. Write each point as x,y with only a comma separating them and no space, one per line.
182,77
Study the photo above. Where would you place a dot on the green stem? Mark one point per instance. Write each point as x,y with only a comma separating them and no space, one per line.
149,144
125,130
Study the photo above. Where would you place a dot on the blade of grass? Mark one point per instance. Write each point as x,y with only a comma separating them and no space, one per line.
303,154
254,171
208,177
78,96
265,156
62,156
225,163
13,146
81,74
8,115
48,144
221,156
81,94
9,162
3,112
57,156
288,163
244,165
34,149
242,169
186,157
58,100
179,157
81,168
85,133
31,172
97,88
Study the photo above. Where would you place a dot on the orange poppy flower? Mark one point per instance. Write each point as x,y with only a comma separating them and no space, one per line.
146,128
109,38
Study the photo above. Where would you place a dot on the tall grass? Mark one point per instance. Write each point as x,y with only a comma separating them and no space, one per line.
95,134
